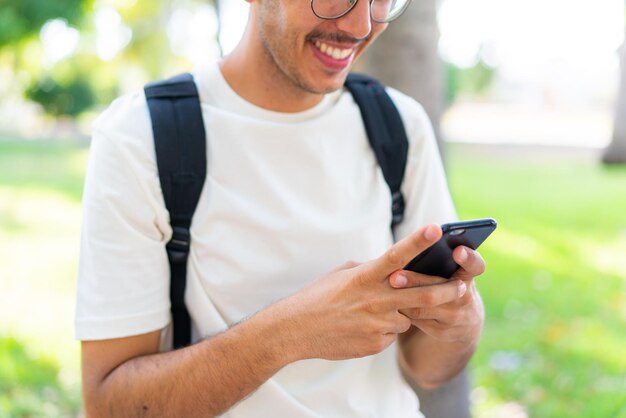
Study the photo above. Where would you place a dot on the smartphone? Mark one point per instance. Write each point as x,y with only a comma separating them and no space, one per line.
437,260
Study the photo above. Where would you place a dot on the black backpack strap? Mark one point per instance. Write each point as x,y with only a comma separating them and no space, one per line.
386,134
180,143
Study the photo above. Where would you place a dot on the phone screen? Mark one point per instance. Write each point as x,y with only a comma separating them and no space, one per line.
437,260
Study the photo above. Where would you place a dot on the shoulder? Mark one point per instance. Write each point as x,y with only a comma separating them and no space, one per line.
122,138
126,122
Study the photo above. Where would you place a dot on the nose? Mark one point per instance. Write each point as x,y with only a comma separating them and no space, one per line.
357,22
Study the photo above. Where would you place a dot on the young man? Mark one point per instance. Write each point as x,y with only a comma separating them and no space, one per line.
293,190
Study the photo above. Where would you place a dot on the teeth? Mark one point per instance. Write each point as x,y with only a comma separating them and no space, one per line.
336,53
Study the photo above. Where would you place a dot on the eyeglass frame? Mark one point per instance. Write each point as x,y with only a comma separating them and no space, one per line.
352,7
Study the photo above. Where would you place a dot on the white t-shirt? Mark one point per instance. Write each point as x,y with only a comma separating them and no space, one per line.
287,198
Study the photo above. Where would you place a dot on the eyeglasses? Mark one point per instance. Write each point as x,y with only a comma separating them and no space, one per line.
381,11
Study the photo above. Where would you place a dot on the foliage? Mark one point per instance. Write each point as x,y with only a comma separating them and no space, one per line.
71,82
469,81
72,86
69,98
29,386
22,18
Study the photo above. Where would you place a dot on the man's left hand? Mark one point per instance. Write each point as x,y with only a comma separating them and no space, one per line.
458,321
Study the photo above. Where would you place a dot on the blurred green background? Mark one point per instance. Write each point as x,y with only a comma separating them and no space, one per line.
555,291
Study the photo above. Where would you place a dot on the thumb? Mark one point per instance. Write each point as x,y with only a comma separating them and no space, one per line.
399,254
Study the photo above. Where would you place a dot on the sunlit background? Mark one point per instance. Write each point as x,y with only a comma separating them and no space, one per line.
531,92
552,65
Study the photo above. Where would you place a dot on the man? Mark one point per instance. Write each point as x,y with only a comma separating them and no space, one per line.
292,191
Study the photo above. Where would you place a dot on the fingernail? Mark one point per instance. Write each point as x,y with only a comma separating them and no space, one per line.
462,288
431,233
401,280
463,255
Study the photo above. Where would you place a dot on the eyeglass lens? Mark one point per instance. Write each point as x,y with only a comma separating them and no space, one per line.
381,10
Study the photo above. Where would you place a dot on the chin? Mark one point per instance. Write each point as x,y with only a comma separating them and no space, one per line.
328,84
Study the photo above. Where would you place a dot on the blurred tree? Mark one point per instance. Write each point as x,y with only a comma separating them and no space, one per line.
71,87
22,18
119,46
150,47
30,386
615,153
20,24
68,98
411,43
471,81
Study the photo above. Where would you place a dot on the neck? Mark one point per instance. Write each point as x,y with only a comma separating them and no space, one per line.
255,77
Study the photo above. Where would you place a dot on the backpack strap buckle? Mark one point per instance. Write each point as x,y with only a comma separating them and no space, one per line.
397,207
178,247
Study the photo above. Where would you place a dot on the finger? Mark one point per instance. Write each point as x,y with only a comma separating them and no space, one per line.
431,327
470,261
405,278
428,296
443,315
399,323
442,332
419,313
402,252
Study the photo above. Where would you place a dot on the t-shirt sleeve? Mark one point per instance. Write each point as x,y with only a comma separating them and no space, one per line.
425,188
123,273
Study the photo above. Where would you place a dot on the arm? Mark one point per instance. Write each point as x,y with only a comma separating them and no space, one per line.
127,377
444,337
351,312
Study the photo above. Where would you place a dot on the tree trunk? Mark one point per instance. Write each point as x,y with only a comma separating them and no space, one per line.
405,57
615,153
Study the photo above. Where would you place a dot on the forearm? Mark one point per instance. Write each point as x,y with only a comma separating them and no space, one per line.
443,339
201,380
430,362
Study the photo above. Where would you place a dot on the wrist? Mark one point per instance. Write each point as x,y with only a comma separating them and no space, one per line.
280,333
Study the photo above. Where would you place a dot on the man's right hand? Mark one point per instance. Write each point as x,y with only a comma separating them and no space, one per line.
353,310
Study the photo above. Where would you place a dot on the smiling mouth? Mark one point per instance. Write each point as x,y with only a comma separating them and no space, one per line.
333,52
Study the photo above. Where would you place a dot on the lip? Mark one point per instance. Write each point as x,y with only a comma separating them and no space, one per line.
330,62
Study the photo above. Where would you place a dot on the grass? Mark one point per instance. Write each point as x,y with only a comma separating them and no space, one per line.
555,289
40,190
